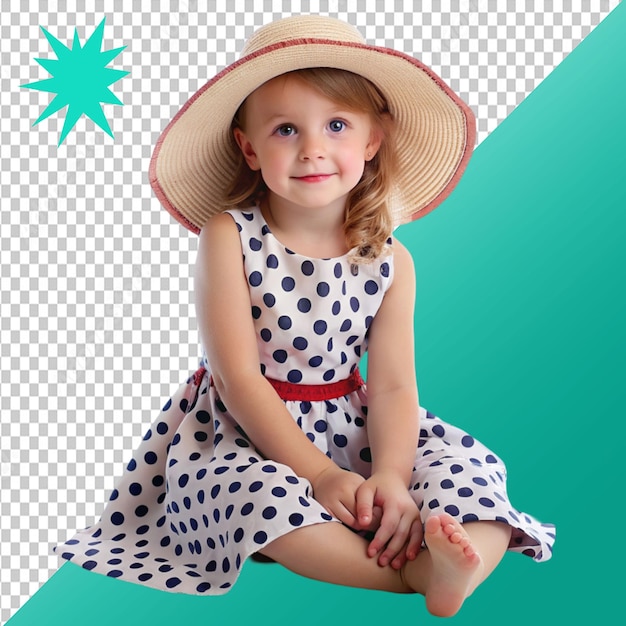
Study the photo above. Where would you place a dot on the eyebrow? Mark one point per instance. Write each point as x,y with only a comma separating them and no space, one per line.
274,118
287,116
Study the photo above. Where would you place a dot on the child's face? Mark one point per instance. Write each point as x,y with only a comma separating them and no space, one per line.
311,151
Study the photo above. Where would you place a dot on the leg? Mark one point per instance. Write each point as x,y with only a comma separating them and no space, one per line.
458,559
331,553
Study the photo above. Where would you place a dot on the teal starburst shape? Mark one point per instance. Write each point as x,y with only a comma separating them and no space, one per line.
80,79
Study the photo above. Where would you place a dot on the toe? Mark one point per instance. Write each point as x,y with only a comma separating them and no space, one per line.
456,537
432,525
449,529
468,550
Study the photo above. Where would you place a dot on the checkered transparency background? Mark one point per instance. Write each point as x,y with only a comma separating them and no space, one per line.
96,316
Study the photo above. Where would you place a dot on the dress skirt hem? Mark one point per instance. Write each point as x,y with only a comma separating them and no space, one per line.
197,498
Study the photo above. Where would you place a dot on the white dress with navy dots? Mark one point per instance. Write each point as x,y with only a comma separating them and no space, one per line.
197,498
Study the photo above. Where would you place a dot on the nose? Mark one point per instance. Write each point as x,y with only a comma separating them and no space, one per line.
311,147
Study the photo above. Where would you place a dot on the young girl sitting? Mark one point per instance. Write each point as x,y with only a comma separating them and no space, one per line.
294,165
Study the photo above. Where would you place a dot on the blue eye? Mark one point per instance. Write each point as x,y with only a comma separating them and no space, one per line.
285,130
336,126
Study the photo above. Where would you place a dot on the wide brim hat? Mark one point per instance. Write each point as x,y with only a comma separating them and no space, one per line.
195,157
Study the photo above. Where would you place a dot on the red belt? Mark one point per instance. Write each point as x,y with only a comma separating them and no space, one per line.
293,391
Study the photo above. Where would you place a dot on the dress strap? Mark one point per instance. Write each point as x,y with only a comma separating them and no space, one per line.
311,393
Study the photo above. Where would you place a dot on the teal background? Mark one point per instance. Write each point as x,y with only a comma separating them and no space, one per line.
520,339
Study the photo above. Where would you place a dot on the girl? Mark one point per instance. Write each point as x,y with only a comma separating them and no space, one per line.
294,164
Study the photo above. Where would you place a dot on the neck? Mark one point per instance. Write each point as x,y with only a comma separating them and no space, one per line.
323,221
312,231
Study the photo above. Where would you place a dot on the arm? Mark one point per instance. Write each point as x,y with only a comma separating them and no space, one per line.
228,335
393,419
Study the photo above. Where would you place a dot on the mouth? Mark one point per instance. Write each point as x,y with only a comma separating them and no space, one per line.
313,178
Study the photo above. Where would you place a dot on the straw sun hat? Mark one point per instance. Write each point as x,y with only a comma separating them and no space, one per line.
195,157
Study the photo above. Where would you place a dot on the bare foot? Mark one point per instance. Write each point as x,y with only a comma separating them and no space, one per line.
456,566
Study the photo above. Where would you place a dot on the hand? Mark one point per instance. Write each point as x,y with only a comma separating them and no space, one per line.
399,534
335,489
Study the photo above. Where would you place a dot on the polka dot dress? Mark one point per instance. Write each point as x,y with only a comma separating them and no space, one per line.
197,498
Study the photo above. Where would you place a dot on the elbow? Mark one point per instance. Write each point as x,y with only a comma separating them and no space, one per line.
232,388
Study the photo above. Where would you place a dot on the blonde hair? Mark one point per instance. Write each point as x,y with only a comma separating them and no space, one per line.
368,222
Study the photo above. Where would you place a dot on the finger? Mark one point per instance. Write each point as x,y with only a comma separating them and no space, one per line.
364,505
412,546
345,515
399,561
416,535
386,530
337,509
377,515
348,500
396,546
345,499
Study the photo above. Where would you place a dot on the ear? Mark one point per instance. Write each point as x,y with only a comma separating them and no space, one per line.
247,149
373,145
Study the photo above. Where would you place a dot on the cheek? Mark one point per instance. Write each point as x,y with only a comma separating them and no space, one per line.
274,167
354,161
275,157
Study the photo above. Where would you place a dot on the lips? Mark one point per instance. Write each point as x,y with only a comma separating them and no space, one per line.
313,178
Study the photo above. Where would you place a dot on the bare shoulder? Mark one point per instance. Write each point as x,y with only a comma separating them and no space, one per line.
400,297
219,243
401,252
404,270
219,229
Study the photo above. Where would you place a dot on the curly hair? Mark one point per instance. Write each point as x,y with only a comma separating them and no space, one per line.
368,224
